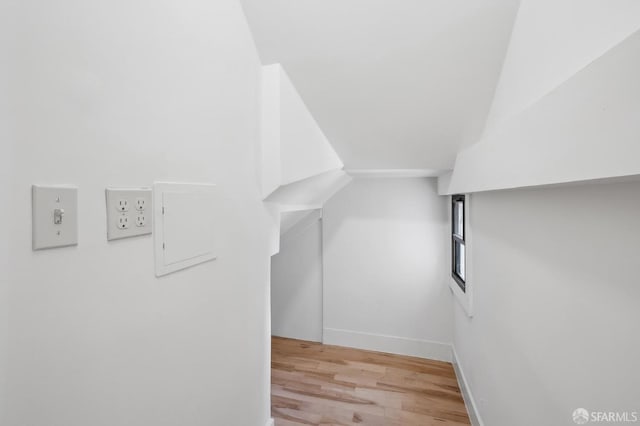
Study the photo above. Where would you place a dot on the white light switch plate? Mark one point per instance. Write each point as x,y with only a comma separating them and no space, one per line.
129,212
54,216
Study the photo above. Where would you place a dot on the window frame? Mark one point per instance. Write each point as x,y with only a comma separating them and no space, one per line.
461,240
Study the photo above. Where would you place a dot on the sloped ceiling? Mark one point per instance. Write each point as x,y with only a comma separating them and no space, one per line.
396,84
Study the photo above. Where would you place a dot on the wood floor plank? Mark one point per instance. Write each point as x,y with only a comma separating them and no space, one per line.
315,384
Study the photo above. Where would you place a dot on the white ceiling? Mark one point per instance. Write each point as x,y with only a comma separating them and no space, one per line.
394,84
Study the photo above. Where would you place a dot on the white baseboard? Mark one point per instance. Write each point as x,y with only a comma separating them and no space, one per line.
472,408
271,422
389,344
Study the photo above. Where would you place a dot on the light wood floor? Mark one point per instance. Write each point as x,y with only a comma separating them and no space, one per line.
315,384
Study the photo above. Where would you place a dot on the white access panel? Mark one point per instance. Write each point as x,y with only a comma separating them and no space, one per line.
184,225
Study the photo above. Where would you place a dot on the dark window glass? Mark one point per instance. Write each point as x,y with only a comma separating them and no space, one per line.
459,259
458,218
458,247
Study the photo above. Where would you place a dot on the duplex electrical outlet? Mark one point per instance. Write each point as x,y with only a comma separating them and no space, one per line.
123,221
141,204
128,212
141,220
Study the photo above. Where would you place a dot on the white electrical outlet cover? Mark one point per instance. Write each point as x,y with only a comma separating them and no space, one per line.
125,207
45,201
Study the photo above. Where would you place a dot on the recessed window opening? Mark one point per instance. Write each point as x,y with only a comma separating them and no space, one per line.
458,253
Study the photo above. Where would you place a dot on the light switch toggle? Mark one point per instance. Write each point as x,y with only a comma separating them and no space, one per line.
54,211
57,216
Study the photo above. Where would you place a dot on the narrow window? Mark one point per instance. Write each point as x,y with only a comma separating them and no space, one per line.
458,264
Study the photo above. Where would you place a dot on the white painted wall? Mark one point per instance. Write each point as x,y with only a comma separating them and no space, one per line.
296,283
124,93
293,145
385,267
291,219
7,139
585,129
305,150
393,84
566,104
556,316
550,42
310,193
270,161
